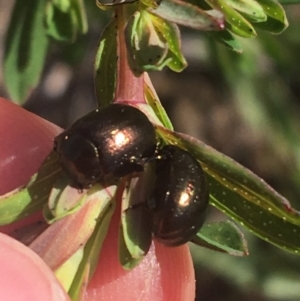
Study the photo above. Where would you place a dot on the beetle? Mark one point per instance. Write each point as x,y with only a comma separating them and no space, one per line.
119,140
180,196
107,143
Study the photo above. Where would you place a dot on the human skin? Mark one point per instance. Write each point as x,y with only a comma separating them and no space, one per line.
165,273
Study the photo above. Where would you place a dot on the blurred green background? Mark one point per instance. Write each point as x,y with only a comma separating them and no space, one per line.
244,105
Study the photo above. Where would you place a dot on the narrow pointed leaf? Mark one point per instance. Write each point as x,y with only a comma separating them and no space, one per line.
286,2
273,9
58,187
106,66
242,195
272,25
222,236
91,254
26,200
69,201
170,33
276,21
80,16
63,5
135,216
250,9
65,20
60,25
25,49
236,23
78,292
146,48
65,200
67,271
72,232
189,15
104,4
227,39
154,102
125,258
149,112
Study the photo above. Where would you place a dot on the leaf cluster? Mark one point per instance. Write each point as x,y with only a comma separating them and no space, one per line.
152,34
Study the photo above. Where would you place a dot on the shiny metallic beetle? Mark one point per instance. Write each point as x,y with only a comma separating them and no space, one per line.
119,140
110,142
179,198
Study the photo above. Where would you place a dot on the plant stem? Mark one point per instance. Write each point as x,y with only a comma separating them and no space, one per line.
130,88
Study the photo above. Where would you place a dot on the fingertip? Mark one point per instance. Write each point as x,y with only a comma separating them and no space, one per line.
25,140
24,276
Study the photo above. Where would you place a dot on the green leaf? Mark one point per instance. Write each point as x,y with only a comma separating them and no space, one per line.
146,48
25,49
80,16
287,2
29,199
250,9
135,216
227,39
272,25
276,21
65,200
65,20
60,24
153,43
154,102
62,5
222,236
104,4
273,9
67,271
59,187
170,33
149,112
125,258
235,22
189,15
91,254
73,231
106,66
242,195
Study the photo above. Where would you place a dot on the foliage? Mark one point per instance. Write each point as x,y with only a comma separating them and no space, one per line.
152,36
149,30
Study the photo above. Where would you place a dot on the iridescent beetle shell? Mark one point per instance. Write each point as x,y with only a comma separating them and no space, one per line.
110,142
179,198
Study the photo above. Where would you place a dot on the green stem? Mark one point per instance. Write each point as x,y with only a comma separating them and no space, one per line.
130,88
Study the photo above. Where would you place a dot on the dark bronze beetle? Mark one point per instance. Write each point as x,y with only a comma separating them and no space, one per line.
114,141
119,140
180,196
